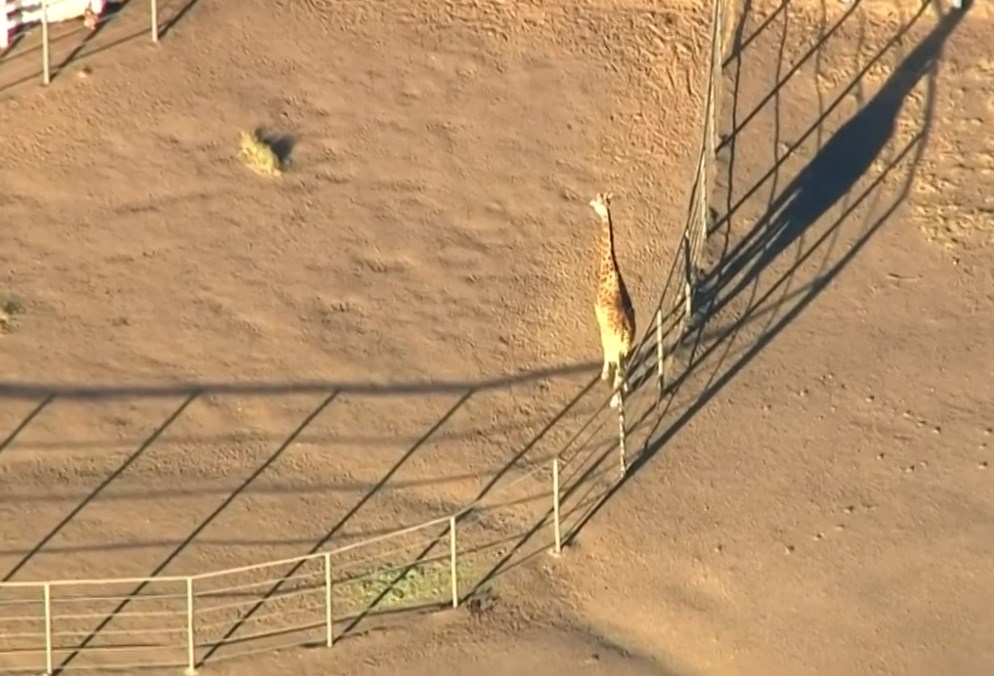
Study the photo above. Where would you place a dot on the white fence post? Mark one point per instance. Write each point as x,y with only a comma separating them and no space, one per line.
46,60
555,504
191,638
453,561
328,614
47,593
660,356
154,10
622,449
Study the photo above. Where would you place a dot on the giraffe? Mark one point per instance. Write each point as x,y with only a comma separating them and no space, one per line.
613,307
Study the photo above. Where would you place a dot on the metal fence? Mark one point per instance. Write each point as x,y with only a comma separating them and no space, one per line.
49,8
186,621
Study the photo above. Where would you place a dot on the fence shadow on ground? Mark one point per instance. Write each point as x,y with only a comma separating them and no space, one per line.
835,171
48,395
829,177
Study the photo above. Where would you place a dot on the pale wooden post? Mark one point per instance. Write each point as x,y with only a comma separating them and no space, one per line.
621,433
46,60
555,504
47,594
155,20
191,638
329,620
453,562
660,356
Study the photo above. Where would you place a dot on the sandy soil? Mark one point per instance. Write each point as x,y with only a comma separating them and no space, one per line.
398,319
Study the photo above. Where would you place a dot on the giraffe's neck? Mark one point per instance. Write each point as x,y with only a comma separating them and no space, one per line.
607,266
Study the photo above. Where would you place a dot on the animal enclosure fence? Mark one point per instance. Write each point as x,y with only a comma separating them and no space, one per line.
188,621
184,621
19,15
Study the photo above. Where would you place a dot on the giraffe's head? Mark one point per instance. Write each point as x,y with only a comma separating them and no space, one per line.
600,204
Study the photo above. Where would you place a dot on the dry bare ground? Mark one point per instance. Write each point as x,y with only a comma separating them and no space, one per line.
813,497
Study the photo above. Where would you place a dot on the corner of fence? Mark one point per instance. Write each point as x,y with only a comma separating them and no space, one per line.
44,18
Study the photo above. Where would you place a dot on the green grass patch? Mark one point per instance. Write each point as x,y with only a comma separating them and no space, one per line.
403,587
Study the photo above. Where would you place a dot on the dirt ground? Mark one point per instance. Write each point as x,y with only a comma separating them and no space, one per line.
277,366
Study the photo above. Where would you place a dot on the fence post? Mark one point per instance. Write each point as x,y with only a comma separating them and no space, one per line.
452,562
46,61
660,356
329,631
623,451
191,639
47,594
555,504
155,20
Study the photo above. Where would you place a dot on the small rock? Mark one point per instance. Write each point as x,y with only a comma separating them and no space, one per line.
819,536
936,430
849,509
788,549
881,456
840,526
982,464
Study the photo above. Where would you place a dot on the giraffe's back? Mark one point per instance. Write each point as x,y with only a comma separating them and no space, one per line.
616,321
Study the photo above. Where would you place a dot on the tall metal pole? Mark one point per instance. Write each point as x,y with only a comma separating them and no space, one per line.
46,61
453,562
155,20
622,450
47,591
191,638
555,504
329,620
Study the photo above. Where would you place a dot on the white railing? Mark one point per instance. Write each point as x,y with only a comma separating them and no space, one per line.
184,620
21,14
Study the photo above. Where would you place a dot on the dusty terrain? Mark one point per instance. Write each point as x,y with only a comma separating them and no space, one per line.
815,497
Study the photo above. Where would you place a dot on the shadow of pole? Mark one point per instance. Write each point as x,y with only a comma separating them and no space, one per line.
34,391
27,420
106,482
921,61
196,531
275,588
713,304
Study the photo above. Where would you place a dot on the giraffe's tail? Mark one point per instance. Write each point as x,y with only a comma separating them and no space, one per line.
601,204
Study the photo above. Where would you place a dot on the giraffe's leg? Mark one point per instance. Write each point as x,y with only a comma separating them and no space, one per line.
620,382
617,383
606,369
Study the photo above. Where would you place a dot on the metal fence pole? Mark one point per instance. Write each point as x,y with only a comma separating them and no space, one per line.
452,562
47,593
555,504
191,638
622,450
660,356
155,20
329,631
46,61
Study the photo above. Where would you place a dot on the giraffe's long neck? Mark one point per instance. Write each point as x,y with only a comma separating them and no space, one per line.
607,270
